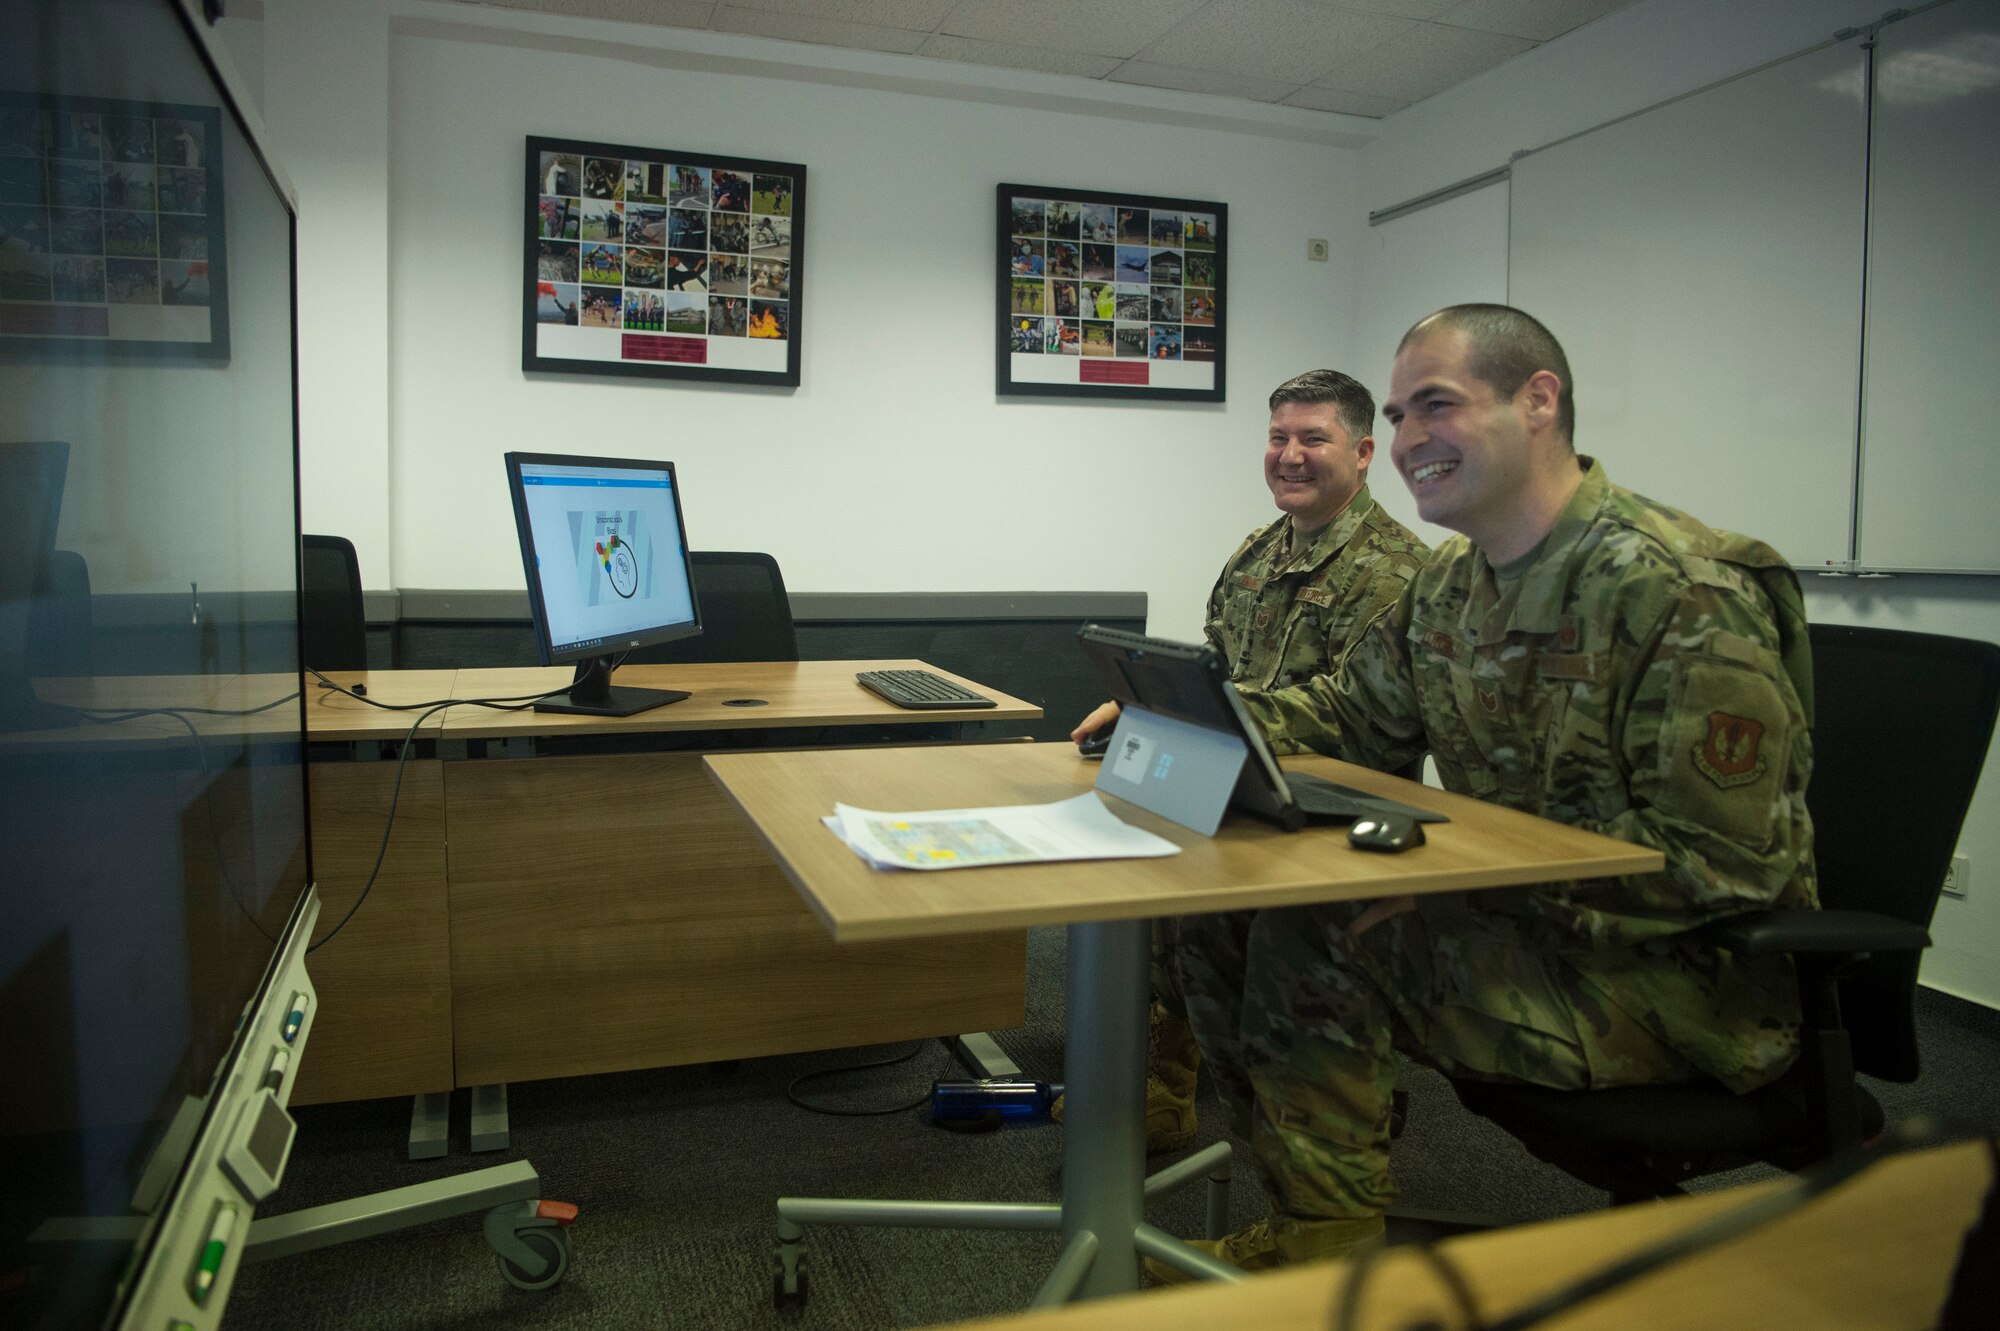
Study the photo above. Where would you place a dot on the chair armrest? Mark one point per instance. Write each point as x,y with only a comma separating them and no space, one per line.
1762,933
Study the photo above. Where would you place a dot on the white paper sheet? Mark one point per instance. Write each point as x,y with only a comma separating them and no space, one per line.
1073,829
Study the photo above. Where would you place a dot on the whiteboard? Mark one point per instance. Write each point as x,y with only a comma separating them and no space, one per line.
1701,263
1449,253
1930,474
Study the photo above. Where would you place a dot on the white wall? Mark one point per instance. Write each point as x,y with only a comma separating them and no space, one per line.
1630,60
326,104
894,467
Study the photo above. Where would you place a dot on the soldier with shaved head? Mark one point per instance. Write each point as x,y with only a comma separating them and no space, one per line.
1578,652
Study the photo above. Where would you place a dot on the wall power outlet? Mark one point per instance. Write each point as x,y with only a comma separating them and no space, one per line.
1958,877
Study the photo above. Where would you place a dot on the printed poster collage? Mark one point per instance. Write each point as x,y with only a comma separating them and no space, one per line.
645,246
1120,280
108,223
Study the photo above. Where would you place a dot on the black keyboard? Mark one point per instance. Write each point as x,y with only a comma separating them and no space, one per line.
919,689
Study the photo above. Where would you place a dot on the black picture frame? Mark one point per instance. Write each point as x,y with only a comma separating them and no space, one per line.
1081,255
676,264
111,228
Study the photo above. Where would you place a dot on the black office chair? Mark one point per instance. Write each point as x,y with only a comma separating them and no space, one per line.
1903,722
335,624
60,626
745,614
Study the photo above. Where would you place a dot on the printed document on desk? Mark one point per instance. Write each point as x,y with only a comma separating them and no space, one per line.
1072,829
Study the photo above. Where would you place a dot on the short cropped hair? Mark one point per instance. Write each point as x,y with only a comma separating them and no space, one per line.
1353,406
1508,347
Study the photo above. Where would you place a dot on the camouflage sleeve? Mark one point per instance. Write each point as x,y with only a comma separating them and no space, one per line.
1364,711
1380,587
1717,750
1211,628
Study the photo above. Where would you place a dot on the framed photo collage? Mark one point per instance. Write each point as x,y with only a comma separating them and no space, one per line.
111,227
1110,295
662,263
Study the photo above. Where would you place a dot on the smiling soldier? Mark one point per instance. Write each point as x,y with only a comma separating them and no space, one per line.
1578,652
1290,602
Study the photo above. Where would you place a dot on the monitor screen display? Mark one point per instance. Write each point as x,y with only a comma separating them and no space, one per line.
605,551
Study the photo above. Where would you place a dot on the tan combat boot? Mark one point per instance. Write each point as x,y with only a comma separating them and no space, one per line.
1281,1240
1172,1060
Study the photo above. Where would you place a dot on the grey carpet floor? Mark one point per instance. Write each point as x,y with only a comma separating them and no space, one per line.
676,1171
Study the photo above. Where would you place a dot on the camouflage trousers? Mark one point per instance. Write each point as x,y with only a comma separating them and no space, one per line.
1301,1024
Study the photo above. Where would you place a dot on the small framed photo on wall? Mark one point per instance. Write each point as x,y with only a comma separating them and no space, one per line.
662,263
111,227
1110,295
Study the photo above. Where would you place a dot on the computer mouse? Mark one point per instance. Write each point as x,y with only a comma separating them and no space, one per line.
1385,831
1096,743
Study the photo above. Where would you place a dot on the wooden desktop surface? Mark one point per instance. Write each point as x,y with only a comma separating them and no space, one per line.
1249,863
791,693
262,706
592,913
332,715
1875,1254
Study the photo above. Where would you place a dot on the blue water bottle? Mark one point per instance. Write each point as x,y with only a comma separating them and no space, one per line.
977,1106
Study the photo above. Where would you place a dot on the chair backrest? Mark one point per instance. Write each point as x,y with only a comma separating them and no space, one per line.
745,614
1900,735
335,626
60,629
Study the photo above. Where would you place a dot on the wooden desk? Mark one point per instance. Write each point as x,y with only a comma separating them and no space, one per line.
1106,905
601,910
384,1026
1875,1254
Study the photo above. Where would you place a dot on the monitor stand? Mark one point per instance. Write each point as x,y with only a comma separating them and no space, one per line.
590,693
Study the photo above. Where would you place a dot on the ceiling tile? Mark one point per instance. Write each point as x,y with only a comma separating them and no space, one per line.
1347,103
1427,59
670,13
1400,8
1539,20
1008,55
921,15
1202,80
822,32
1292,41
1102,27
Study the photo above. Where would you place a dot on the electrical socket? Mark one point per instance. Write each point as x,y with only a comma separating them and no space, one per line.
1316,251
1958,878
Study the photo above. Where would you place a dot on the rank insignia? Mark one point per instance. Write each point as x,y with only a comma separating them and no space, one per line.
1729,754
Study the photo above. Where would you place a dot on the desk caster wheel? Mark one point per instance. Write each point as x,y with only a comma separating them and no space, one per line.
551,1245
789,1286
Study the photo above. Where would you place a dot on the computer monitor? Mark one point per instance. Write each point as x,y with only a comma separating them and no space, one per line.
606,557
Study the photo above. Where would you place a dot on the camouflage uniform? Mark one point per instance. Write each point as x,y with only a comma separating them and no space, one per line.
1279,616
1644,677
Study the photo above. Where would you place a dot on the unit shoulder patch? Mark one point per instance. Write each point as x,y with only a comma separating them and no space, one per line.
1728,754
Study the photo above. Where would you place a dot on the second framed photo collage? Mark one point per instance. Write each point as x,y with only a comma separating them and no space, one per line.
1110,295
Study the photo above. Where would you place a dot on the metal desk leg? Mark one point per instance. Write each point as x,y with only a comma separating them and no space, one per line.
981,1055
489,1117
1101,1215
430,1125
1104,1077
